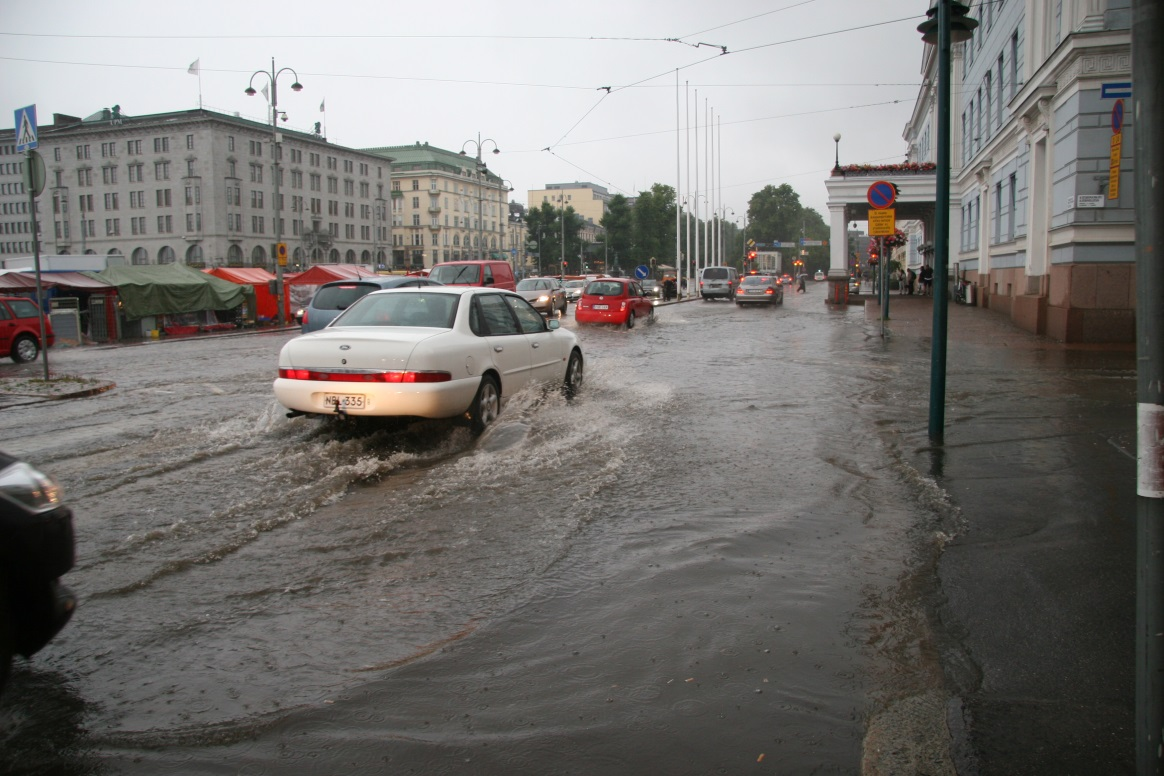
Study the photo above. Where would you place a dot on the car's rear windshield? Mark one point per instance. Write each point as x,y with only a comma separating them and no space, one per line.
756,280
604,288
340,297
715,273
451,274
402,308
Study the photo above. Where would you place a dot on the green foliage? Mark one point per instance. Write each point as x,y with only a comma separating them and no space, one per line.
654,225
544,226
619,225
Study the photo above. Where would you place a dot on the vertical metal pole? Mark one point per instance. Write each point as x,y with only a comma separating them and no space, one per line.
883,278
1148,120
941,232
29,161
282,318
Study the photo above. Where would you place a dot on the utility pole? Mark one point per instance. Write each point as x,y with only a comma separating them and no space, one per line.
1148,116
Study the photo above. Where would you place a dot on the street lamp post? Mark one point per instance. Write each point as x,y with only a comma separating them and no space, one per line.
837,162
947,24
481,167
281,256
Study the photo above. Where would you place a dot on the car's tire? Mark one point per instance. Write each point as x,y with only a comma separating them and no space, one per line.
630,319
651,316
575,375
486,405
25,349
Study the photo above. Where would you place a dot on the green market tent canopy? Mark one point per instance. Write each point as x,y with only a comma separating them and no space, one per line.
169,289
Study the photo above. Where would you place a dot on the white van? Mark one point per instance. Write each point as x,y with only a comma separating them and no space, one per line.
718,283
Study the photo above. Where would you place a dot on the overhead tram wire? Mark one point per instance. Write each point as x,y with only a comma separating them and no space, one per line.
748,19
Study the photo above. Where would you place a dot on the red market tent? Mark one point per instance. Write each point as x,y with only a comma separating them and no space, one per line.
304,285
266,306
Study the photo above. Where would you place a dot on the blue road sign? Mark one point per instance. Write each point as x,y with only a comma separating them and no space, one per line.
1117,116
1115,90
25,128
642,271
882,195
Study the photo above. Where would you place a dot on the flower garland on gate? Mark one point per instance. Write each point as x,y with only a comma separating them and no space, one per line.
903,167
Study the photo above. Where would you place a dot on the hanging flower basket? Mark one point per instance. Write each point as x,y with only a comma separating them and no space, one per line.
896,240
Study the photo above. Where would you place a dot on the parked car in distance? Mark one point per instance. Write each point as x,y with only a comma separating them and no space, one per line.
718,283
820,275
545,294
616,301
20,329
333,298
36,549
488,274
435,352
786,279
760,289
653,289
573,289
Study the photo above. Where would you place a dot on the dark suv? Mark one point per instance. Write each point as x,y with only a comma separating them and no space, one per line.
333,298
20,329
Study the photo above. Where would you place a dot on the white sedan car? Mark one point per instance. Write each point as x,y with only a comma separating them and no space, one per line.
436,352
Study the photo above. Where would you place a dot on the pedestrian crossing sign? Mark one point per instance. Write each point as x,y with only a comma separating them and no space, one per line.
25,128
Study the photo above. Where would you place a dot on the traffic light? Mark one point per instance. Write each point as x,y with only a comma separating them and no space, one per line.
751,255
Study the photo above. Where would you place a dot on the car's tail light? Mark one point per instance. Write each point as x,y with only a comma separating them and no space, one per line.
769,290
303,317
365,377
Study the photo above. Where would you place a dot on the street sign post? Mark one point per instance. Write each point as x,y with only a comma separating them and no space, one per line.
642,271
25,128
882,223
881,195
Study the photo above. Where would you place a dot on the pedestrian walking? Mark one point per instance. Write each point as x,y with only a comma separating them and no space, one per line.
912,280
927,279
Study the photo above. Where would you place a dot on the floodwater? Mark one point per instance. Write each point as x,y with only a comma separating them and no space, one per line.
708,562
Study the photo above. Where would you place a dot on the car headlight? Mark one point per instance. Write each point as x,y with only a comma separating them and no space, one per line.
29,488
544,298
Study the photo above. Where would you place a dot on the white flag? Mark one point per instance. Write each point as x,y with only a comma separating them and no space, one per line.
194,67
321,102
266,94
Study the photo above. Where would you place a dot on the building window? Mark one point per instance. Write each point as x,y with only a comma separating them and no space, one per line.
107,150
85,177
193,195
256,199
258,225
1012,220
165,224
230,142
162,198
136,200
161,171
256,148
189,168
256,173
82,152
112,227
136,172
108,175
161,145
111,200
1013,64
133,147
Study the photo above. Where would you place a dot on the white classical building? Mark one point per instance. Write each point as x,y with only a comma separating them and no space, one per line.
445,207
198,187
1040,223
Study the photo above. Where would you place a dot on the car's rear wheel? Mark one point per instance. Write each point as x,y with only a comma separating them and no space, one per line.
25,349
630,319
486,405
574,375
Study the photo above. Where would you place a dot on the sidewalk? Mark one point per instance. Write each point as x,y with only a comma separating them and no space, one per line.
1033,600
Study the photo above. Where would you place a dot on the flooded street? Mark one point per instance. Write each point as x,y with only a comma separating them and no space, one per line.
710,560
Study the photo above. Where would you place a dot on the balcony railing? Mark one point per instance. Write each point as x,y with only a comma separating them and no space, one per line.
880,170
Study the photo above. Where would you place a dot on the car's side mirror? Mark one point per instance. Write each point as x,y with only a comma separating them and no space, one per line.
553,323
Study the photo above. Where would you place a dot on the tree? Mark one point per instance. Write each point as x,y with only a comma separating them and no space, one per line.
545,227
619,224
654,225
774,214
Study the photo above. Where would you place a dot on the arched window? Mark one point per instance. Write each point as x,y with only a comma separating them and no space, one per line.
165,255
365,257
194,254
140,256
381,257
90,252
316,255
258,256
297,254
234,256
334,256
350,257
113,252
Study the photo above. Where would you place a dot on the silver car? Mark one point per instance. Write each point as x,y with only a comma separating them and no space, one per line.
760,289
333,298
573,289
545,294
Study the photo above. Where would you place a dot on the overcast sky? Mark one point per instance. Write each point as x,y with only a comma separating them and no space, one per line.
529,77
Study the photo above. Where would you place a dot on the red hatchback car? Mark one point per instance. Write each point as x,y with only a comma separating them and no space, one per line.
618,301
20,329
